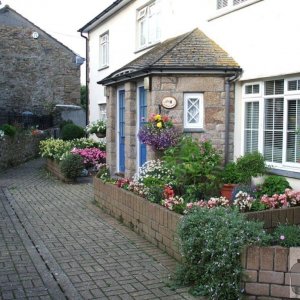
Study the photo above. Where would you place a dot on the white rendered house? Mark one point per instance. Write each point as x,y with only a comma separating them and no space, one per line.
261,36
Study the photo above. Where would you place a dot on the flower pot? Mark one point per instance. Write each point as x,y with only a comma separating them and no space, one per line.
100,135
227,190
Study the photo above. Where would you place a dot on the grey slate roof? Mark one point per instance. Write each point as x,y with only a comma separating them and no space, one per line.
193,51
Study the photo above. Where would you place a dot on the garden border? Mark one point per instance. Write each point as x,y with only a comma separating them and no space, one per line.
53,167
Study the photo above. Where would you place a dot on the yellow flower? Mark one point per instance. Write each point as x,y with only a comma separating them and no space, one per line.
159,124
157,117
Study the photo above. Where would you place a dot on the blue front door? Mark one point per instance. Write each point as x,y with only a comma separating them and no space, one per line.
143,119
121,130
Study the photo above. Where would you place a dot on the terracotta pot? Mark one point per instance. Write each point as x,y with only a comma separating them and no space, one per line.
227,190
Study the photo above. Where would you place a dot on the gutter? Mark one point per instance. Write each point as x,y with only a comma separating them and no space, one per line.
229,80
86,78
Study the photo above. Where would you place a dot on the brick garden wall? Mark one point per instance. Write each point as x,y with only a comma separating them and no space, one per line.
152,221
18,149
53,167
267,273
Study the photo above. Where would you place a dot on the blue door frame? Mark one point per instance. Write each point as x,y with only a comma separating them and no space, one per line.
121,130
142,106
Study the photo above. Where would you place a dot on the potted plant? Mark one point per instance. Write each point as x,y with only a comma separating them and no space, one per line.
230,179
97,127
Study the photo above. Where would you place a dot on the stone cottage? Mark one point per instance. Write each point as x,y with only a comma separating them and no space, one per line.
36,71
194,73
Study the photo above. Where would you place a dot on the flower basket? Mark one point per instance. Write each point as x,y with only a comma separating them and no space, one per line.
159,133
101,134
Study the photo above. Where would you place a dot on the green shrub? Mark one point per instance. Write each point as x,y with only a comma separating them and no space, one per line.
274,185
71,165
287,236
87,143
9,130
250,165
230,174
64,123
194,163
72,131
211,242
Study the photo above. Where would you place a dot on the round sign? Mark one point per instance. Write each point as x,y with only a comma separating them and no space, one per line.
35,35
169,102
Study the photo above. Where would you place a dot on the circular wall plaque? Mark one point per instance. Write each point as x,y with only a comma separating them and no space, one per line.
169,102
35,35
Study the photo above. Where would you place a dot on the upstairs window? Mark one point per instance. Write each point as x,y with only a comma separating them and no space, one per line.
228,3
104,51
148,25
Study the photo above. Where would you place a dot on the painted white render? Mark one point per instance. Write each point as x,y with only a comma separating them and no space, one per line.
261,35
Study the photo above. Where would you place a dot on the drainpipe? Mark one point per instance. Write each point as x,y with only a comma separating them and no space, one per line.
86,79
227,113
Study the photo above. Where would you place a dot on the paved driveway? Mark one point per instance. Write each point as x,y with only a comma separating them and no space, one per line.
55,244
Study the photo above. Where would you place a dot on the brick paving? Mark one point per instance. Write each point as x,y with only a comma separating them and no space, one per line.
56,244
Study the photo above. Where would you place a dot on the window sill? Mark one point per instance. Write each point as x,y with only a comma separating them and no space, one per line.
145,48
103,68
228,10
285,173
191,130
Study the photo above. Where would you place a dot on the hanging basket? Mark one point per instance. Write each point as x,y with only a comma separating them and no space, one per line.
101,135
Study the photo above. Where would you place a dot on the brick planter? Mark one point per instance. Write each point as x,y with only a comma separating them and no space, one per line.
273,217
152,221
53,167
270,271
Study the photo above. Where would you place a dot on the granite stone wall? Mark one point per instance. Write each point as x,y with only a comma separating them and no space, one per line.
35,73
18,149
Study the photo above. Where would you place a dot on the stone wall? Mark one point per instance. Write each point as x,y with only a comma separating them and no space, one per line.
53,167
213,89
35,73
18,149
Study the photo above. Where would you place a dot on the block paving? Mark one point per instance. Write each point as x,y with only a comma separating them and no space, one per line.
56,244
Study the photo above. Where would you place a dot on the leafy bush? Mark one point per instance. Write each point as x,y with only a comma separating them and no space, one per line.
87,143
72,131
8,130
54,148
64,123
230,174
250,165
194,163
274,185
287,236
211,242
96,127
71,165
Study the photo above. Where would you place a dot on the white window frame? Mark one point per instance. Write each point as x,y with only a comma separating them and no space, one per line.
225,4
255,95
287,95
102,112
200,124
144,17
104,50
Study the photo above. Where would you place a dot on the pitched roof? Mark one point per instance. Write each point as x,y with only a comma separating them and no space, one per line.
106,13
192,51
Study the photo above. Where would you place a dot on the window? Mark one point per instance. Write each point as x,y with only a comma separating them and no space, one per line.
272,121
102,111
228,3
148,25
193,110
104,50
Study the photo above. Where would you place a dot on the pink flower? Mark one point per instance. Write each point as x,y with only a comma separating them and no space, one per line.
282,237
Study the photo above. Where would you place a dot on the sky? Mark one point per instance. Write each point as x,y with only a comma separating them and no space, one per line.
61,19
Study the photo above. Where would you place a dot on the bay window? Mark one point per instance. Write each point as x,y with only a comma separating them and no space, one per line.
272,121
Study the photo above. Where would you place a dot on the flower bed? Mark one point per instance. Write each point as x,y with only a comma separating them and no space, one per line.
150,220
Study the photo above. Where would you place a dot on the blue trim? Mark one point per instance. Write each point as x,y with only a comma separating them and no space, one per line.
142,121
121,130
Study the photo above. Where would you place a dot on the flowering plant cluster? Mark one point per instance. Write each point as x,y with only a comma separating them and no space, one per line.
159,132
288,199
171,201
92,157
211,203
243,201
37,132
96,127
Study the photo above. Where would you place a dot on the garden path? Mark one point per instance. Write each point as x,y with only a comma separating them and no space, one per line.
56,244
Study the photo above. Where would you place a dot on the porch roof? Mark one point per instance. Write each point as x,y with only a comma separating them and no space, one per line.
192,52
